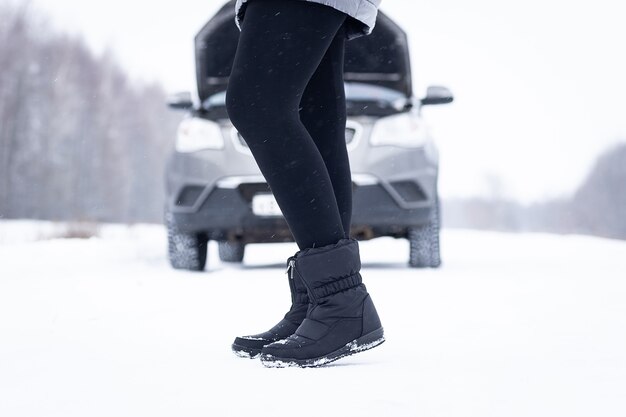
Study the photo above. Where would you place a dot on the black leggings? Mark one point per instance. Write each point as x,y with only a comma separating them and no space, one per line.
286,98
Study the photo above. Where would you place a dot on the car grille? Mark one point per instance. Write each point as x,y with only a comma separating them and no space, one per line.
249,190
350,135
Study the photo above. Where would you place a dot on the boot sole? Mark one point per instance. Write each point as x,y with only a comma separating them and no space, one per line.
363,343
244,352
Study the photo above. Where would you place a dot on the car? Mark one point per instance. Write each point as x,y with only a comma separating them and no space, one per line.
215,190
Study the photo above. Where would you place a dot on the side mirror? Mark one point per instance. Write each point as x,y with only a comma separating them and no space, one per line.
180,101
437,95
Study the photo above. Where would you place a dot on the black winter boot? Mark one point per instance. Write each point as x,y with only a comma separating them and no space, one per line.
341,319
250,346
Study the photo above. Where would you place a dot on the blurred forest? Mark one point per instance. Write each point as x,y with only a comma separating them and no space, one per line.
598,207
80,141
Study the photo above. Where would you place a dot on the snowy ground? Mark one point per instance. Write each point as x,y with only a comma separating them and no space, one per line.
511,325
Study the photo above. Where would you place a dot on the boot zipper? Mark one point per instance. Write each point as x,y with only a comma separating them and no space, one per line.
291,286
292,265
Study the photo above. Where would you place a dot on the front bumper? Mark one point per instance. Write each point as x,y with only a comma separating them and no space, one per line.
223,210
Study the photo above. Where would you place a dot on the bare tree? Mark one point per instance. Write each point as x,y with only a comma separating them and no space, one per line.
78,139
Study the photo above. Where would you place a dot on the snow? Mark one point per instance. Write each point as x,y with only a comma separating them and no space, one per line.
511,325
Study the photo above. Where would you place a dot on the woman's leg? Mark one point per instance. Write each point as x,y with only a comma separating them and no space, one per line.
281,45
323,112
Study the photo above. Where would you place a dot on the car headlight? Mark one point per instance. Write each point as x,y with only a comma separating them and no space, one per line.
195,134
403,130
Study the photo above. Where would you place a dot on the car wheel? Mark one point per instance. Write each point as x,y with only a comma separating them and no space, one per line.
231,252
424,242
186,250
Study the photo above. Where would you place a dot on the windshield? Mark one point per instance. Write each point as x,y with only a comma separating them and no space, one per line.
361,100
354,92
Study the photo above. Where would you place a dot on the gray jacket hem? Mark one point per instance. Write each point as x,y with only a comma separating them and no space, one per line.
363,14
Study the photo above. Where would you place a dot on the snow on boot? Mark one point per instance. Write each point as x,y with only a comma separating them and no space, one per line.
341,319
250,346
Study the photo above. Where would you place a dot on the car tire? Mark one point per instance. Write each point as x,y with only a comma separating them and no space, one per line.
231,252
424,242
186,251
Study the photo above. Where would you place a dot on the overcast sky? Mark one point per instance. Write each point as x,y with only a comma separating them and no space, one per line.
540,84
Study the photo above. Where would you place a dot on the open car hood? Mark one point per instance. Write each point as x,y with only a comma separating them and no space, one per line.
381,58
